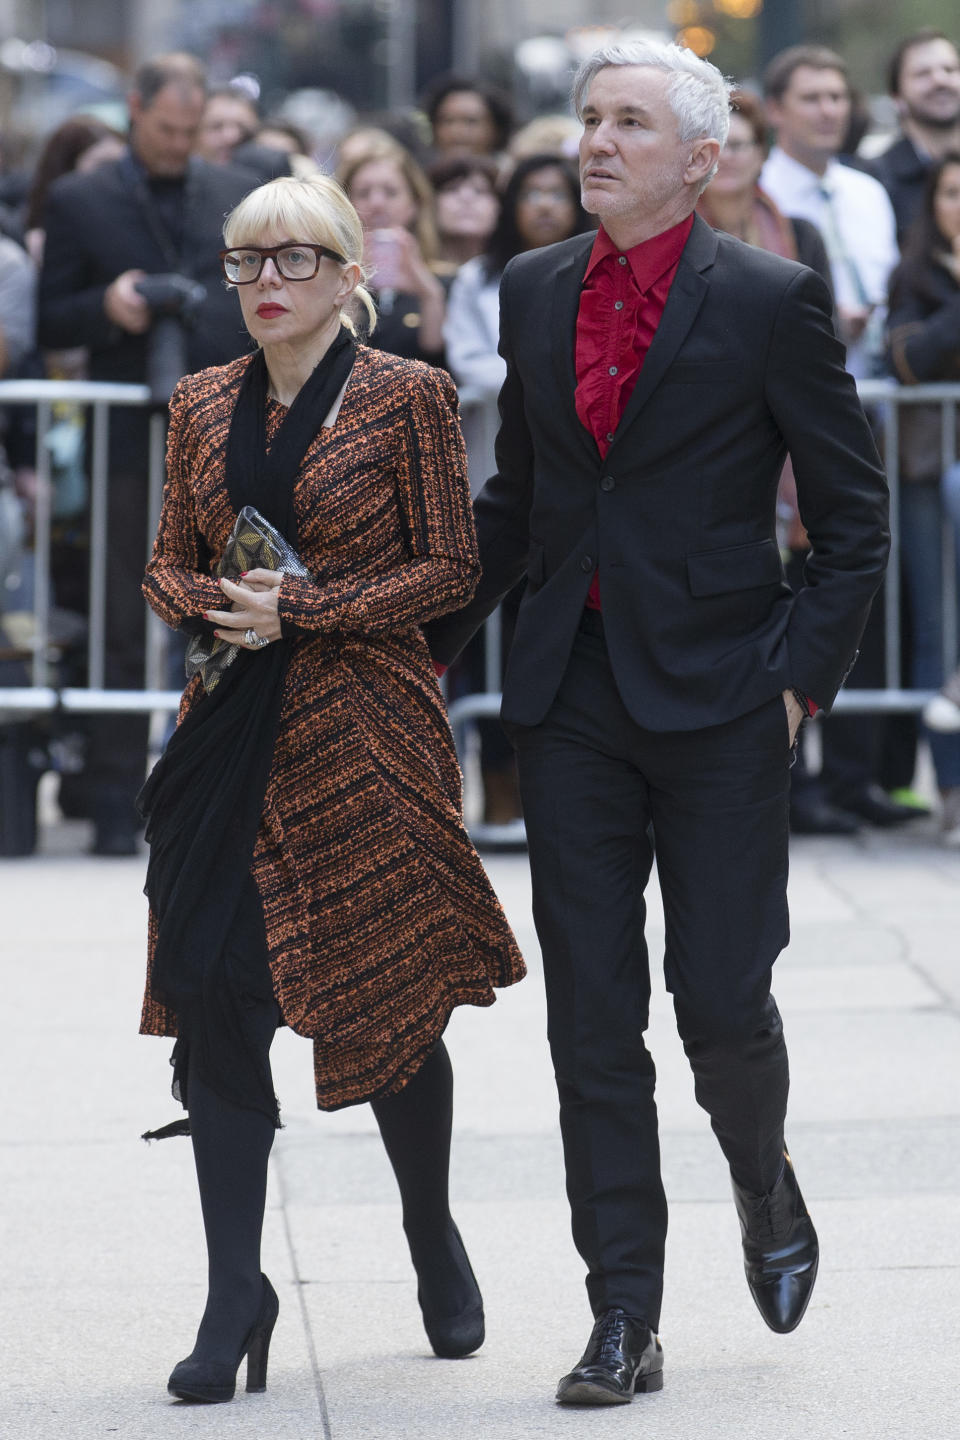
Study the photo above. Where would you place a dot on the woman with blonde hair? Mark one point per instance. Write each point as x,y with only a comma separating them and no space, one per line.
308,864
395,202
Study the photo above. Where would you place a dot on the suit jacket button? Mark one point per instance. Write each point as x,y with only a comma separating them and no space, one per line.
587,563
608,483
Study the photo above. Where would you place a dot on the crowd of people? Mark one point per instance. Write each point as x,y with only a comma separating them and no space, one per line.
114,233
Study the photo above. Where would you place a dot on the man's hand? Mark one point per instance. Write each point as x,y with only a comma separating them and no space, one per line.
125,306
795,713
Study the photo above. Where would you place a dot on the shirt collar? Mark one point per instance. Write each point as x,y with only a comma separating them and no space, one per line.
648,260
799,175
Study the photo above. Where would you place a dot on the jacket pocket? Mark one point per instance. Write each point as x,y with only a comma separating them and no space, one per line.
738,567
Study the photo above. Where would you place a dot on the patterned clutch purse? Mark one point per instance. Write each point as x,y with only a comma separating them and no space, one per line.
254,544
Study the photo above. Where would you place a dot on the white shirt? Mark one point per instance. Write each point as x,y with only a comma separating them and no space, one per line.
471,329
471,332
854,215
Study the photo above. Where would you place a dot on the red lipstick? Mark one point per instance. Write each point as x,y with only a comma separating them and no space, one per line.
268,310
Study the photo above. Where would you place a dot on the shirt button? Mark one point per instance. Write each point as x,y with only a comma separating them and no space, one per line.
623,259
612,370
586,563
618,305
609,434
608,483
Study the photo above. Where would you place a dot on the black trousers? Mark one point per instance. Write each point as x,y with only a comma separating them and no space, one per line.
596,790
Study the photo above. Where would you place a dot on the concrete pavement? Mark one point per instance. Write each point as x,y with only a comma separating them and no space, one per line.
102,1243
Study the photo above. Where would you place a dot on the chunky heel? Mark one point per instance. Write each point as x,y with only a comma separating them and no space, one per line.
258,1348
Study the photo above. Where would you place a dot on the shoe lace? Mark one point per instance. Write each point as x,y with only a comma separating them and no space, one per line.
772,1218
608,1336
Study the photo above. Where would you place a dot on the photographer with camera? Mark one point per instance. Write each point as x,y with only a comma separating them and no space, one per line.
130,272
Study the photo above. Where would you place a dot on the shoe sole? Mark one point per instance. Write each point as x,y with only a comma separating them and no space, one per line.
202,1396
588,1392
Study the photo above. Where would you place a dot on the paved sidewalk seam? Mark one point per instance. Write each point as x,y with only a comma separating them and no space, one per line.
893,928
327,1432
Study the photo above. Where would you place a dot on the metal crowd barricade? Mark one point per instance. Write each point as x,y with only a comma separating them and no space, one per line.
884,397
41,695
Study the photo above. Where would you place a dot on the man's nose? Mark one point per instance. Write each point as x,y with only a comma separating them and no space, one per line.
600,137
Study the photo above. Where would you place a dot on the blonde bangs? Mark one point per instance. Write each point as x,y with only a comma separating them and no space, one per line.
313,208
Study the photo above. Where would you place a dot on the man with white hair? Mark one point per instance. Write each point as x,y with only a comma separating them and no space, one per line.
657,375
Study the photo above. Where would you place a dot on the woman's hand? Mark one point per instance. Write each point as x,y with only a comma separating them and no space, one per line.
253,602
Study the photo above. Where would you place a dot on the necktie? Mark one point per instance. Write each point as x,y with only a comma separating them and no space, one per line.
837,251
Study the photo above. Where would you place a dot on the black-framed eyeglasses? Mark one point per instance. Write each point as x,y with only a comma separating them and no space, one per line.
244,264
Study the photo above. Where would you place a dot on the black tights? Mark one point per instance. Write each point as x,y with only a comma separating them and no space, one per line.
231,1146
415,1126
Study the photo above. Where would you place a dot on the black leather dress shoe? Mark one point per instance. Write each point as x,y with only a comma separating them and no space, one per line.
623,1358
816,817
873,804
780,1251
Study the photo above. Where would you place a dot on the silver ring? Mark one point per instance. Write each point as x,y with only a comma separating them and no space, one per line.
250,637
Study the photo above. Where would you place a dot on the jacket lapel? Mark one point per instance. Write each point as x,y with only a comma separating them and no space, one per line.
567,282
683,303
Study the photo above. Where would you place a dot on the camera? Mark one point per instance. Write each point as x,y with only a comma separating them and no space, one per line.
174,302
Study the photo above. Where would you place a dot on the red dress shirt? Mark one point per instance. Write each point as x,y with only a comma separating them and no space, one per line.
621,303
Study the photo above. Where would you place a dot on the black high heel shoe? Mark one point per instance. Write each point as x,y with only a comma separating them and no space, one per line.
454,1336
211,1382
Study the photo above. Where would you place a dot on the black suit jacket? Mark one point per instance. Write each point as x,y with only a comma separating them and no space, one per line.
680,516
96,228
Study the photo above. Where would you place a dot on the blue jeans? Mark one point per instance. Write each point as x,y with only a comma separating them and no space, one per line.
921,523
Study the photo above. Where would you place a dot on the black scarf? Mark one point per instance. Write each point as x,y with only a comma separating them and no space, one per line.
204,799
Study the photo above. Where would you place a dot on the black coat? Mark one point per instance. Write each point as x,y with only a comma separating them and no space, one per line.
903,174
97,227
924,327
680,516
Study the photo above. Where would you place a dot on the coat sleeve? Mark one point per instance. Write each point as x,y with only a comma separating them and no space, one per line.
434,500
176,586
70,301
502,509
924,340
841,488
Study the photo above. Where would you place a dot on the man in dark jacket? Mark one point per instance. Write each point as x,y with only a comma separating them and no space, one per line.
657,375
924,82
158,210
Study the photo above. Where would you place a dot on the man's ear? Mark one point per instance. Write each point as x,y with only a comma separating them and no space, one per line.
703,157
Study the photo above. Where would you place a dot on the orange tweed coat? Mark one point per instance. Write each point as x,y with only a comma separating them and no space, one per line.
379,916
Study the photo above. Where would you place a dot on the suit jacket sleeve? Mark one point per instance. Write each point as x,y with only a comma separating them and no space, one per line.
501,510
841,488
433,496
70,310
